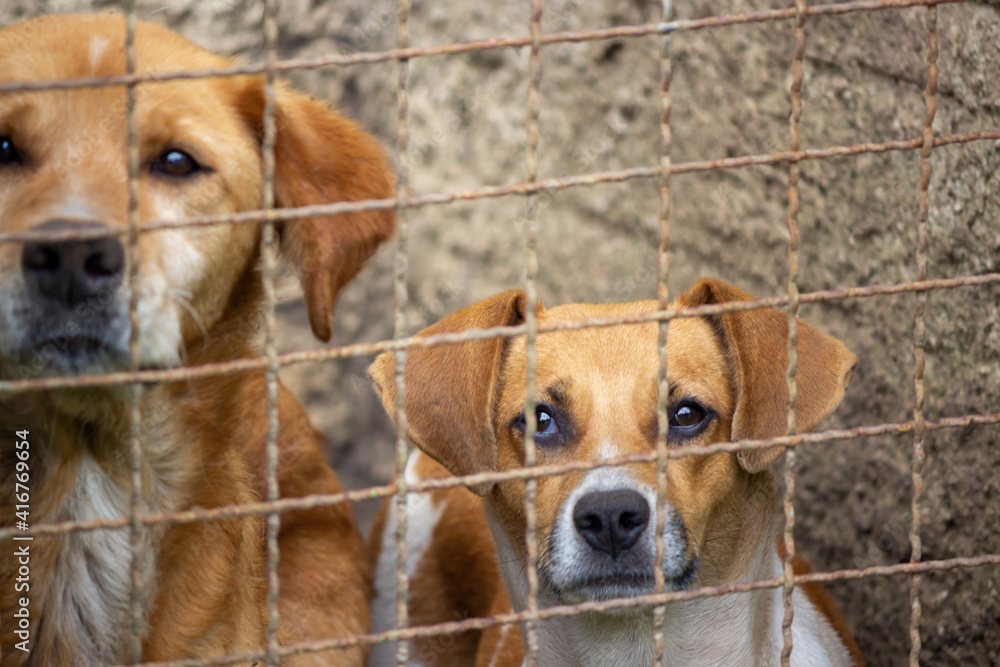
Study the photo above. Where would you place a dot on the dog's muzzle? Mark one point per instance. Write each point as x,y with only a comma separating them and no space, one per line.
607,549
75,320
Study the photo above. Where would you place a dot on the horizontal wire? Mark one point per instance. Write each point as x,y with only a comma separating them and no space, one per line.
226,512
562,611
490,192
217,369
366,58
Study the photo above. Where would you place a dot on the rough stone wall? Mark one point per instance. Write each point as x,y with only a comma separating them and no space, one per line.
865,75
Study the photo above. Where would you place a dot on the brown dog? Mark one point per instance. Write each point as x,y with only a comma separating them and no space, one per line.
63,166
597,399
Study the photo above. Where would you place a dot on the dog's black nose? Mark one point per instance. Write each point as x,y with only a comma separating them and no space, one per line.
611,521
72,271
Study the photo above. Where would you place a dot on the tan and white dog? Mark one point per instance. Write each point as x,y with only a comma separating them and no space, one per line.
63,311
597,399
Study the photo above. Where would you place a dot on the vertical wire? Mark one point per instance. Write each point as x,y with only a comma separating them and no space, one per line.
920,332
663,296
793,331
531,322
135,389
269,253
399,283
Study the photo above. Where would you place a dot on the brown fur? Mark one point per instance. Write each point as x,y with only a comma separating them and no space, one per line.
458,569
203,583
462,399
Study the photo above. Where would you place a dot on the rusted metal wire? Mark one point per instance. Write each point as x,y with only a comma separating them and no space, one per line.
591,607
272,365
136,611
920,333
663,302
531,336
326,500
367,58
399,326
370,349
546,185
788,500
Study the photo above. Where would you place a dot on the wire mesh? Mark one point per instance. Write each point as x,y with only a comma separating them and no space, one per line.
269,255
788,504
531,338
663,302
920,334
135,390
402,238
400,490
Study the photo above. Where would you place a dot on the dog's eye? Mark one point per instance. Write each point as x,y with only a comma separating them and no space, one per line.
8,153
687,416
687,419
546,422
547,429
176,163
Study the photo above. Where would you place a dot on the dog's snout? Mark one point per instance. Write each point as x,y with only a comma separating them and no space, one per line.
611,521
73,270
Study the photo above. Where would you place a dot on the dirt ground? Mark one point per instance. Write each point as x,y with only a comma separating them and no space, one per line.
864,82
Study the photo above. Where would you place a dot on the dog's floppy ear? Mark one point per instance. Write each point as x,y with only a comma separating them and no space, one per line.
451,390
321,157
756,341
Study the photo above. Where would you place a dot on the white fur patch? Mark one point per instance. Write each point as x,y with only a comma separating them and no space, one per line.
93,589
12,331
98,45
178,271
607,450
422,516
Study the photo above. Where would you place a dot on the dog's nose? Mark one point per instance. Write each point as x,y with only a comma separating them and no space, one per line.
611,521
72,271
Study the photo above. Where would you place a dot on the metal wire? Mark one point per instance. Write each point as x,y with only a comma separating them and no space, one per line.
399,317
138,521
663,303
920,333
269,255
370,349
327,500
371,57
591,607
788,503
547,185
136,611
531,336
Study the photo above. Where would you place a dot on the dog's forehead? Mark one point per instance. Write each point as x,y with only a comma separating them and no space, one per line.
69,46
626,356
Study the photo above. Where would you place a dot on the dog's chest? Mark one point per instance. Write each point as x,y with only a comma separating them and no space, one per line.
90,600
92,575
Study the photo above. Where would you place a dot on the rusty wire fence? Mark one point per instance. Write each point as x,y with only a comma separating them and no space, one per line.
530,188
